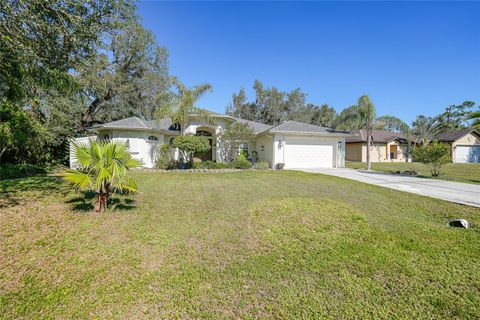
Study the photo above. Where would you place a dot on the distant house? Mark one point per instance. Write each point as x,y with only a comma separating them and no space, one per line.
387,147
464,144
294,144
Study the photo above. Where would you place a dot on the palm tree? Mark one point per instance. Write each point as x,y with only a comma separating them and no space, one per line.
426,128
360,116
184,104
103,169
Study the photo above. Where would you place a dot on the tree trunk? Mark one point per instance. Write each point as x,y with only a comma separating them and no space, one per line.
98,203
87,117
369,142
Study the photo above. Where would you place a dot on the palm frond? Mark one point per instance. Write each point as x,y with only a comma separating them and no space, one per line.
78,179
81,153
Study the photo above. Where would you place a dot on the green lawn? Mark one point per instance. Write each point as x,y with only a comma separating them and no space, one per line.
460,172
244,245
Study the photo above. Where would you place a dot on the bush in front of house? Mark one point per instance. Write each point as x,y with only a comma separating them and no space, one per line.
434,155
262,165
164,157
211,165
241,162
190,145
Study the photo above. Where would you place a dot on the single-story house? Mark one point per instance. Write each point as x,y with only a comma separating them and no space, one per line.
465,145
386,146
295,144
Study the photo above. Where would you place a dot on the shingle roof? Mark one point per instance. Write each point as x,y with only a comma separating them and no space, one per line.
131,123
137,123
256,127
454,135
165,124
301,127
377,135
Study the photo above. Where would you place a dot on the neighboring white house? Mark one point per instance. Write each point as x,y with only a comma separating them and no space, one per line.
296,144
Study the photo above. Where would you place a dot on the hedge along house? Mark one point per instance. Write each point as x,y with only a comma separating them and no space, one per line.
464,145
294,144
386,146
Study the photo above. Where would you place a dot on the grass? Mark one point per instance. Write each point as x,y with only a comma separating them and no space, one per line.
247,245
460,172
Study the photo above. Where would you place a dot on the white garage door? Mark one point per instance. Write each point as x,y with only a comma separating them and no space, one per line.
302,153
467,154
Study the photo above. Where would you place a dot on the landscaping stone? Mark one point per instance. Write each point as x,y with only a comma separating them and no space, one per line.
459,223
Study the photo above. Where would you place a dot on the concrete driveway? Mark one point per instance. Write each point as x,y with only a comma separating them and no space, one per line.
464,193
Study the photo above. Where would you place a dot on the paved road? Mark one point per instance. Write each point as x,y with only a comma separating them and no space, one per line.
464,193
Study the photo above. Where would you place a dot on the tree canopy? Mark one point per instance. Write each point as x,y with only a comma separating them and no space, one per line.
273,106
65,64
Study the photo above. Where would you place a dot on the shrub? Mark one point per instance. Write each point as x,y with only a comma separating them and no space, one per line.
245,153
173,164
13,171
434,155
262,165
211,165
164,157
190,145
241,162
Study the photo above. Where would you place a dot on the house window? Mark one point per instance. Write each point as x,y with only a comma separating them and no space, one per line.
175,127
152,138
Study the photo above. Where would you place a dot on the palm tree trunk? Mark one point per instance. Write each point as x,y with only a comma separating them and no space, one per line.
369,143
98,203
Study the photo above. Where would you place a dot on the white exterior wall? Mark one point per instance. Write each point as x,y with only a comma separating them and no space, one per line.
140,147
264,147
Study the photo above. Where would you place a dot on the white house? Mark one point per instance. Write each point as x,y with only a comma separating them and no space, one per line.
295,144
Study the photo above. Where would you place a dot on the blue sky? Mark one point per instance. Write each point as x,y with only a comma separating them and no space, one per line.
409,57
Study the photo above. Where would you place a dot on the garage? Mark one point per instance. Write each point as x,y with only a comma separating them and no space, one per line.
304,153
467,154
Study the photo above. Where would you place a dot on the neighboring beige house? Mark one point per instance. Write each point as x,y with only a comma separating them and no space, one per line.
465,145
387,147
295,144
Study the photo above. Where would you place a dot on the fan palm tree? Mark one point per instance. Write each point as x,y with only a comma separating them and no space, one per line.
183,104
103,169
